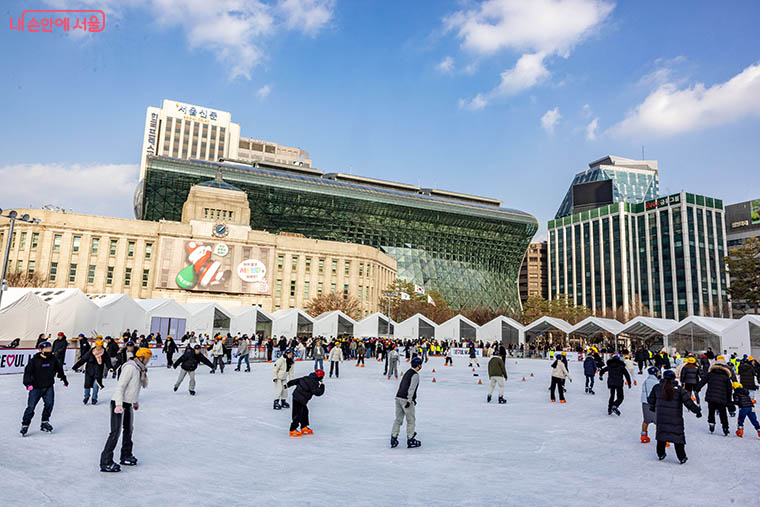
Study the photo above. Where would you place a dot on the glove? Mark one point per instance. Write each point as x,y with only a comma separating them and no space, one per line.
274,380
407,405
118,409
699,414
29,388
65,383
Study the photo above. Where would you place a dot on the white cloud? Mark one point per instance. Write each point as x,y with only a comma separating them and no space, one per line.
537,29
586,111
308,16
550,119
263,92
670,110
100,189
591,129
476,103
446,65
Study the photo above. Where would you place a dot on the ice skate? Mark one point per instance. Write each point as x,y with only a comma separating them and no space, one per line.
284,404
277,405
725,431
740,432
86,399
113,467
661,457
615,410
413,442
45,426
394,442
488,398
563,401
295,434
591,391
94,401
307,431
24,430
130,461
237,369
192,393
175,388
645,439
712,428
683,460
502,401
247,370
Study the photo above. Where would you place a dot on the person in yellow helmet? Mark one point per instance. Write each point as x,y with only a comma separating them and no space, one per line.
96,362
125,399
690,377
746,408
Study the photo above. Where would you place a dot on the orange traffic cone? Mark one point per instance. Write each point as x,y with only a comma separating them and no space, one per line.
480,382
635,383
523,379
531,374
433,370
434,380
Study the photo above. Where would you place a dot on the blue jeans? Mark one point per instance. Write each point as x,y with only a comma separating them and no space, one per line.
95,390
48,398
319,362
745,412
247,364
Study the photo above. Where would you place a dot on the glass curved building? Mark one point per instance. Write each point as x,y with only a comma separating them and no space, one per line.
468,248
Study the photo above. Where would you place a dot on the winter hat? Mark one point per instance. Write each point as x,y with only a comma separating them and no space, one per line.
98,343
669,375
416,362
653,370
43,345
81,335
60,334
736,385
197,347
320,373
130,343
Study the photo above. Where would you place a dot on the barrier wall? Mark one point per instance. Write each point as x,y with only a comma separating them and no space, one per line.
15,360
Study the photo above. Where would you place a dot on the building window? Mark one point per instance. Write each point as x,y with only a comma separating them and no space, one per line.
148,250
306,289
308,264
361,269
361,292
75,244
56,242
127,276
22,245
334,267
292,288
347,266
345,290
91,274
13,240
53,271
72,273
280,262
109,276
146,276
19,265
319,288
278,288
294,263
94,246
131,249
31,266
321,266
332,288
114,245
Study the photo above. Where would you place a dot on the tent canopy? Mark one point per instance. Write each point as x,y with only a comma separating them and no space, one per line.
116,313
502,329
458,328
207,318
416,326
249,320
592,326
645,328
23,315
546,325
697,334
291,322
375,325
333,324
71,312
164,316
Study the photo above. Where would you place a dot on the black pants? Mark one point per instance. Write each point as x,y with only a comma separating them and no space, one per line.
220,361
360,359
641,366
47,395
169,359
616,397
561,383
721,409
228,355
61,356
680,449
123,422
692,388
269,354
385,369
300,416
335,364
590,381
449,360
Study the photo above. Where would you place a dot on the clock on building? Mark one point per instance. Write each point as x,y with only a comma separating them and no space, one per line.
220,230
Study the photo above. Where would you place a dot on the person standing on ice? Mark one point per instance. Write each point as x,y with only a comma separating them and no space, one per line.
217,355
646,388
497,373
406,400
667,400
335,357
170,348
39,377
559,374
59,348
617,372
361,351
393,360
282,369
690,377
134,376
449,357
96,362
306,387
319,355
243,351
473,355
589,371
189,362
746,407
719,393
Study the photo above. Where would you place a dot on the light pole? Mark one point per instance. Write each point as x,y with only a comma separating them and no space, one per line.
389,295
12,216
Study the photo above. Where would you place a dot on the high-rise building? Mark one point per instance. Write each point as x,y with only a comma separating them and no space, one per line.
533,272
190,132
665,255
630,181
742,222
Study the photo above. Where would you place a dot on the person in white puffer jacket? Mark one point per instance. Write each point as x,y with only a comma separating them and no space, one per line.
217,355
282,370
335,357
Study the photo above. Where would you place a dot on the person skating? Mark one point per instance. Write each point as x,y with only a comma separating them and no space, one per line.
126,395
282,369
719,393
744,403
306,387
473,355
449,357
406,400
690,377
39,377
646,388
112,349
217,355
189,361
589,371
243,351
747,376
170,348
59,348
617,372
641,356
84,345
319,355
335,357
97,362
667,400
126,353
361,351
497,373
559,374
393,360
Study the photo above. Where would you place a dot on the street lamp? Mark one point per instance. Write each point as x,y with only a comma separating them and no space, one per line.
12,215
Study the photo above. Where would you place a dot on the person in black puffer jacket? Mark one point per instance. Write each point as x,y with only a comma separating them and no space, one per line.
589,371
96,363
667,400
746,409
190,361
306,387
641,358
690,377
616,373
747,376
718,396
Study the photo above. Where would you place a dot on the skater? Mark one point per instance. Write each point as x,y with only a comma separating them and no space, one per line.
126,353
59,348
189,362
319,355
306,387
747,375
133,377
112,349
719,393
641,356
406,400
449,357
743,400
690,377
652,380
393,360
243,351
361,351
559,374
96,362
282,369
335,357
84,345
473,355
589,371
667,400
617,371
39,377
497,373
170,348
217,355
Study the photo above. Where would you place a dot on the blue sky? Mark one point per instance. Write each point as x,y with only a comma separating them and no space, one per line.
501,98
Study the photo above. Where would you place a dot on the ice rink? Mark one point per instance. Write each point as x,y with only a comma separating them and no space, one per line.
226,446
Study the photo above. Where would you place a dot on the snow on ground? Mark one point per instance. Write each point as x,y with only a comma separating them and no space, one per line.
227,446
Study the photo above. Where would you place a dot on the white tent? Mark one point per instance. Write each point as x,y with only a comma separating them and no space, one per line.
502,329
207,318
23,315
696,334
416,326
650,330
292,322
249,320
116,313
165,316
70,312
545,325
592,326
457,328
375,325
743,337
333,324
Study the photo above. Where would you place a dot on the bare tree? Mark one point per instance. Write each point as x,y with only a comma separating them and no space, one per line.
329,302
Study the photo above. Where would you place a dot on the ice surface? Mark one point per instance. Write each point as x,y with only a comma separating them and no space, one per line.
227,446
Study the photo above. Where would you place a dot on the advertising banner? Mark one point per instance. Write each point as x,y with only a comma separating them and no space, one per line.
466,352
15,360
214,266
755,212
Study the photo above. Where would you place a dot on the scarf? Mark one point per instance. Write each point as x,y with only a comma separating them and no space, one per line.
143,373
97,353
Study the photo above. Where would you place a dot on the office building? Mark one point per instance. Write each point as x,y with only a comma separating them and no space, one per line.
533,272
742,222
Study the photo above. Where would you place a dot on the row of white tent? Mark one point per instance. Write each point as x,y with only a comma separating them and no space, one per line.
25,313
